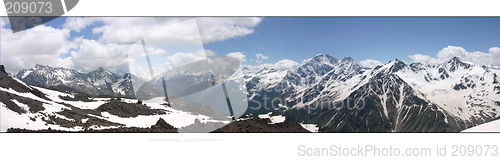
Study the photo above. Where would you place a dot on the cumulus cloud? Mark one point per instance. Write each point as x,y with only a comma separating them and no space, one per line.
121,35
210,53
92,55
370,63
46,45
213,29
260,56
130,29
63,62
424,59
170,62
78,23
38,45
476,57
239,55
179,59
285,64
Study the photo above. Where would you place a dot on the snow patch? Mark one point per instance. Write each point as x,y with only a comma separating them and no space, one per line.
493,126
311,127
274,119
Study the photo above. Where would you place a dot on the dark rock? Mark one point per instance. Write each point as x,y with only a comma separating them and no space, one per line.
259,125
127,110
161,124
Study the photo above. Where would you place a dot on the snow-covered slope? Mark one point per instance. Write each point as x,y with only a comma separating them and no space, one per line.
463,89
493,126
304,81
30,107
457,94
396,97
336,84
377,100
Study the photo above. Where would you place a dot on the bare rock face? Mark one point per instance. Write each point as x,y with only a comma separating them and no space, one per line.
252,123
162,124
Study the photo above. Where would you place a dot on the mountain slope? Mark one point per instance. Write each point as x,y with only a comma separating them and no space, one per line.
445,97
35,108
98,82
465,90
338,95
384,104
297,82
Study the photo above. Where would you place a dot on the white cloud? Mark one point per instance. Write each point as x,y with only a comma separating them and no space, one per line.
78,23
476,57
38,45
92,55
262,48
180,59
239,55
424,59
130,29
260,56
370,63
171,62
137,50
45,45
214,29
63,62
258,61
210,53
281,65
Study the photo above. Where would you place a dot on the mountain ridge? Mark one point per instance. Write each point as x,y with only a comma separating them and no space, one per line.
98,82
456,94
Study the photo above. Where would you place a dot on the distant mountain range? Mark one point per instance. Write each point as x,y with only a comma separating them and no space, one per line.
338,95
28,108
98,82
343,96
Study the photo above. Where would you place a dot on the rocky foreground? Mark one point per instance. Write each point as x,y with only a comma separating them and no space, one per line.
250,123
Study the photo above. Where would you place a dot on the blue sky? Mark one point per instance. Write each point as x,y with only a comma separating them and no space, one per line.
425,39
378,38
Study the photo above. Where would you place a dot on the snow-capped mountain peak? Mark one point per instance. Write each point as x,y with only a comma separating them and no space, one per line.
321,59
102,76
347,59
97,82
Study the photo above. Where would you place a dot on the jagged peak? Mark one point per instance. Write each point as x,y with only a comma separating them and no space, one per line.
396,65
347,59
322,58
39,66
456,62
455,59
321,54
127,75
102,70
396,61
